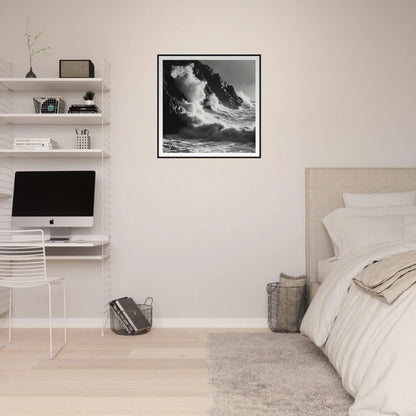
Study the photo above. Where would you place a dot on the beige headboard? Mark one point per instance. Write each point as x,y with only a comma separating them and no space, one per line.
324,188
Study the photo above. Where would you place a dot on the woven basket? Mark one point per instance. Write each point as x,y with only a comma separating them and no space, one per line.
286,303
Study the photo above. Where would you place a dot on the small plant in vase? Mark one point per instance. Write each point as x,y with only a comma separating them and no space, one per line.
30,43
89,98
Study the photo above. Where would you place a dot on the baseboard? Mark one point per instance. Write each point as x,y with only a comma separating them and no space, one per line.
157,323
44,323
210,323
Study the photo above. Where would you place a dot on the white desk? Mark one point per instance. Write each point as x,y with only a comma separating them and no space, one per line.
76,249
74,243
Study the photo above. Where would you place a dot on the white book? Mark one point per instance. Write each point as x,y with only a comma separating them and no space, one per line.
33,140
29,139
33,144
32,149
37,146
22,141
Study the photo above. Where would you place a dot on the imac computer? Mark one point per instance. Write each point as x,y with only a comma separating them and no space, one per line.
54,199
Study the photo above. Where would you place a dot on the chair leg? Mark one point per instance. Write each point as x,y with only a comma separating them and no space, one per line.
52,355
64,294
10,319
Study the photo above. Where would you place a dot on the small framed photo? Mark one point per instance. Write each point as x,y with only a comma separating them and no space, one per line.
209,106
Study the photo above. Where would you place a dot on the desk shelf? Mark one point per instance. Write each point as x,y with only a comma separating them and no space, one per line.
74,244
69,258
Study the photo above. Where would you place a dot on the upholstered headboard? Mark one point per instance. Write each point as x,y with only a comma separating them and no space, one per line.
324,188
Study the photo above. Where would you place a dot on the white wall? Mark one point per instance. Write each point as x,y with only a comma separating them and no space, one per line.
203,237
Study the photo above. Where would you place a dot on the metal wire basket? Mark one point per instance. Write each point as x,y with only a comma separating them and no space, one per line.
49,105
286,307
117,325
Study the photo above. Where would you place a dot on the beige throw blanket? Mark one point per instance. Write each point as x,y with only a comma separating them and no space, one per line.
388,278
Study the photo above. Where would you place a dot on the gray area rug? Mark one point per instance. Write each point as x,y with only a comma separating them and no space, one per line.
272,374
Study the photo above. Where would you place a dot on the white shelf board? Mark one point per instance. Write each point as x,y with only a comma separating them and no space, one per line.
60,244
52,84
70,244
91,153
52,119
69,257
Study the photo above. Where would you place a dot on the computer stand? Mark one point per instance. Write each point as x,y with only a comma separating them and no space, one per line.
60,234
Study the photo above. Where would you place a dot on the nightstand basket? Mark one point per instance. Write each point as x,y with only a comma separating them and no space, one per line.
118,327
286,303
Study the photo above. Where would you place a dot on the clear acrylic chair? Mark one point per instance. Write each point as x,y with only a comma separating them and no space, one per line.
23,265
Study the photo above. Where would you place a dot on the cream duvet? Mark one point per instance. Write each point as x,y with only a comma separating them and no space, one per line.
370,343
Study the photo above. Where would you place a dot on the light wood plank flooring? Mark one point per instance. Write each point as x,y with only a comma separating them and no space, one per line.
162,373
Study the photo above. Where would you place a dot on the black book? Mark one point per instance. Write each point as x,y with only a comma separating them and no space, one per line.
92,109
121,317
133,314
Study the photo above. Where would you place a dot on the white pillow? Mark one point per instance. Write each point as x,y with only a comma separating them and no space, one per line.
355,233
390,199
330,219
347,234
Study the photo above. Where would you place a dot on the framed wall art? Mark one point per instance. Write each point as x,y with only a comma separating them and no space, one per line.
209,106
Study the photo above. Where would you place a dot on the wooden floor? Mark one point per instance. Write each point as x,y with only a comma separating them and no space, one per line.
162,373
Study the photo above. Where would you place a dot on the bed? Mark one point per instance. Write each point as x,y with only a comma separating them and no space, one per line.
371,344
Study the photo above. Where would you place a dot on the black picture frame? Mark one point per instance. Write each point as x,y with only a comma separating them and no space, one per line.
202,115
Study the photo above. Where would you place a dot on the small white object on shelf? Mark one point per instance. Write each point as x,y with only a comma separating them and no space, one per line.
82,141
34,144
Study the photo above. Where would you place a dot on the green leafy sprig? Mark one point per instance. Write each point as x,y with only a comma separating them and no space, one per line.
30,42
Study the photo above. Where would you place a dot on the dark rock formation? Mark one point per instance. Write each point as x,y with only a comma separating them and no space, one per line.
174,115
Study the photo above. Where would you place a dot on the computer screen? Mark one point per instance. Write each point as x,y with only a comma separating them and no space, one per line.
53,198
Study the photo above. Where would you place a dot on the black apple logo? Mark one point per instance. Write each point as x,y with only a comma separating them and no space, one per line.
51,222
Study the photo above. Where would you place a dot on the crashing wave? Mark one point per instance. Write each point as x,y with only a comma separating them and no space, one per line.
203,106
217,132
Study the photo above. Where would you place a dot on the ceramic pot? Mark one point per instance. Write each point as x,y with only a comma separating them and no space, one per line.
30,74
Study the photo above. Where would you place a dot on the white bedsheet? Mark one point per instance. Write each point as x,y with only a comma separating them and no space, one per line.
371,344
325,266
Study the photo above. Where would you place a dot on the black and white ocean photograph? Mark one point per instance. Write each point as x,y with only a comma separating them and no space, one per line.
209,106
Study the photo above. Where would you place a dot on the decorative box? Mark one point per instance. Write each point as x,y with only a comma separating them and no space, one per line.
76,68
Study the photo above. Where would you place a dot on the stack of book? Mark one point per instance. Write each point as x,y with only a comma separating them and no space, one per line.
34,144
82,108
130,316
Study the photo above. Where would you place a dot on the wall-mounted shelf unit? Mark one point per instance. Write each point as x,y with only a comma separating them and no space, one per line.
23,123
